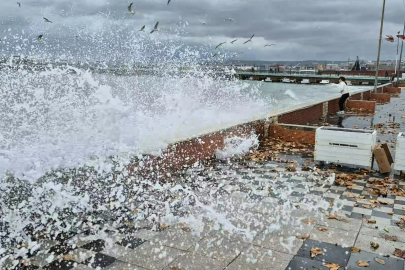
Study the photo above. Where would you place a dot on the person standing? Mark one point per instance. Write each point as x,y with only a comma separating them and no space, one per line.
344,90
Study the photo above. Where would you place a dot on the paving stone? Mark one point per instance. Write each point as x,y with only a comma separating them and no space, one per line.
220,246
82,267
195,261
60,265
363,211
386,247
390,263
283,238
152,256
345,223
99,260
260,259
331,253
81,254
145,234
120,265
300,263
334,236
381,231
380,214
42,259
177,238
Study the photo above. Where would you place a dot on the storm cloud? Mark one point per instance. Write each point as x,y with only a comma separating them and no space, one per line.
302,29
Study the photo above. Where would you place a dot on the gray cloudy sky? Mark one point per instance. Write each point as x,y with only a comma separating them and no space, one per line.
302,29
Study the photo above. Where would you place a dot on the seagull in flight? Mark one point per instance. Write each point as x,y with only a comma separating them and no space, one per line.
130,9
168,2
202,22
155,28
229,19
19,4
268,45
222,43
249,40
46,20
233,41
39,38
142,29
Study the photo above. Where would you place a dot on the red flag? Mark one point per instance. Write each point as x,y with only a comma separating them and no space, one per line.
401,37
390,38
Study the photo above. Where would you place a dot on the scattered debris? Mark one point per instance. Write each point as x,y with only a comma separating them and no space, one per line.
315,252
363,263
309,221
399,253
380,261
332,266
322,229
355,249
374,245
303,237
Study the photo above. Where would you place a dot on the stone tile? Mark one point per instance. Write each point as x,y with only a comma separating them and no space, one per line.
283,238
331,195
345,223
386,247
334,236
380,214
359,216
260,259
220,246
42,259
390,263
81,254
363,211
145,234
177,238
400,198
381,231
99,260
195,261
384,209
379,221
152,256
120,265
82,267
300,263
331,252
60,264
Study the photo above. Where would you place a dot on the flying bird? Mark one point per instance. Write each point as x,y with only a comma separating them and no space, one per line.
155,28
233,41
19,4
220,44
46,20
389,38
142,28
39,38
202,21
249,40
229,19
168,2
268,45
130,9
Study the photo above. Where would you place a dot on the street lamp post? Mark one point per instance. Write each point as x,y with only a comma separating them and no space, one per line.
400,57
379,48
396,57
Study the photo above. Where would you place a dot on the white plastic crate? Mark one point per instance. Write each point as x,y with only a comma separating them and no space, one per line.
400,153
345,146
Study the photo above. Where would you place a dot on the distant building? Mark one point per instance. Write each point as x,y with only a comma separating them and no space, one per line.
319,67
332,67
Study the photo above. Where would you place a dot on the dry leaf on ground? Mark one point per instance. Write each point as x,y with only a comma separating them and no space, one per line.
315,251
372,221
363,263
334,216
309,221
174,268
355,249
390,213
374,245
332,266
303,237
399,253
380,261
67,257
322,229
389,237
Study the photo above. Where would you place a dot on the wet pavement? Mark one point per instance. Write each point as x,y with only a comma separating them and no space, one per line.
242,214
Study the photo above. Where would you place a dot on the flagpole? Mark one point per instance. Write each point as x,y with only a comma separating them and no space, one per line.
396,57
379,49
